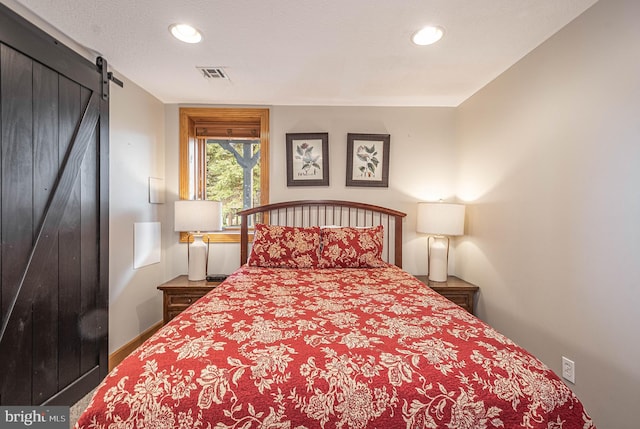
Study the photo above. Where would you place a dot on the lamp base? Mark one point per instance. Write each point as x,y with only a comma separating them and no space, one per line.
438,264
197,258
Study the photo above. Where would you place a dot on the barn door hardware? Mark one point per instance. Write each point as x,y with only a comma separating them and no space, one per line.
106,77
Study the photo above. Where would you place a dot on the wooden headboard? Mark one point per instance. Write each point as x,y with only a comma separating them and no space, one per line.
323,213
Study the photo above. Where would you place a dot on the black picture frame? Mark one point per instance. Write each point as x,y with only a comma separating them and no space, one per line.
368,160
307,159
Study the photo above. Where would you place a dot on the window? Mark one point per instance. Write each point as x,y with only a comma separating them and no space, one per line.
232,176
224,155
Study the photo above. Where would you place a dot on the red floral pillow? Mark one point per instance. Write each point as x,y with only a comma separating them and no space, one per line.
349,247
285,247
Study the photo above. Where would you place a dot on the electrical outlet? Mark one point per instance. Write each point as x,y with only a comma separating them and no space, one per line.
568,370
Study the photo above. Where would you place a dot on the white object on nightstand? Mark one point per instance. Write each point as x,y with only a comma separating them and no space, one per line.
197,217
439,220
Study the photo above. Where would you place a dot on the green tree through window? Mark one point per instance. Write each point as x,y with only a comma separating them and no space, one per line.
233,176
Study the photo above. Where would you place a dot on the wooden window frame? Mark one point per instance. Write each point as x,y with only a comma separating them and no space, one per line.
190,117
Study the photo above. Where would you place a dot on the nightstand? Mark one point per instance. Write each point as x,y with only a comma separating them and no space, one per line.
455,290
180,293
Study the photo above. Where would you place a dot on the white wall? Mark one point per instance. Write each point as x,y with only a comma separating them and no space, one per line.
136,153
548,161
422,160
422,167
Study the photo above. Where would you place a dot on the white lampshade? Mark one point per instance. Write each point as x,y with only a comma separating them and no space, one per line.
198,215
441,218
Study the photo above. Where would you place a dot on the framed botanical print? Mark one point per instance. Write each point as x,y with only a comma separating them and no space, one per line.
307,159
368,160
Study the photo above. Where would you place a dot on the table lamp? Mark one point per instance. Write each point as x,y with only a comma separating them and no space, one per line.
196,217
439,220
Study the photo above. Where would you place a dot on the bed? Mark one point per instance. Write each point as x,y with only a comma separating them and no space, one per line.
321,328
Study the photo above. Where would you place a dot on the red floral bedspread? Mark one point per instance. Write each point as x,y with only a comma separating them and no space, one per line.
332,348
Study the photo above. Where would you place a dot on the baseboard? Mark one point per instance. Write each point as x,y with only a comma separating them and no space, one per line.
116,357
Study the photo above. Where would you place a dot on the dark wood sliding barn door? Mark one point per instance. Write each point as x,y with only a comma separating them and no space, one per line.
53,218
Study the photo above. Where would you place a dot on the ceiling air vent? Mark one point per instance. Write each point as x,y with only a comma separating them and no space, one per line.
213,72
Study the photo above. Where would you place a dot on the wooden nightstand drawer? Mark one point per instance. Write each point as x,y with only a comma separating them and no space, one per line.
173,313
182,299
178,294
461,299
455,290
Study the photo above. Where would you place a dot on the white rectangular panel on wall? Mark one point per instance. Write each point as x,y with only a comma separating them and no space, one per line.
146,244
156,190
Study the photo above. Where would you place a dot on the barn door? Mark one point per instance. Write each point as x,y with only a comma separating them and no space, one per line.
53,218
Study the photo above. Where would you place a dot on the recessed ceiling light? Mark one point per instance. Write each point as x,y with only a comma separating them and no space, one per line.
185,33
428,35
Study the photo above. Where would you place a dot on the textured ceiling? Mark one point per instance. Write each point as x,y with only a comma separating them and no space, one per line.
299,52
